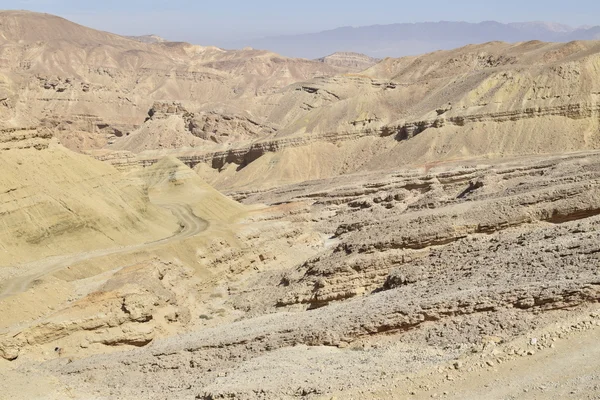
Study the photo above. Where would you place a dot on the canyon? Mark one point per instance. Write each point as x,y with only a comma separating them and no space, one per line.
182,221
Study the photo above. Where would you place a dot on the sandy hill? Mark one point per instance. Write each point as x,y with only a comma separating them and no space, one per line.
490,100
170,181
91,86
402,232
17,26
55,202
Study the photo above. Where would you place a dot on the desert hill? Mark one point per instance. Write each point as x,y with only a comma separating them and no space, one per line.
91,86
491,100
170,182
52,198
17,27
227,109
67,217
424,228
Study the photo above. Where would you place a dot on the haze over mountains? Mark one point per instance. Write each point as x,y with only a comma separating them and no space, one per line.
403,39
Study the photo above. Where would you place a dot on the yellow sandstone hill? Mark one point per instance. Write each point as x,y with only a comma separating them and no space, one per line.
170,182
487,101
92,86
54,201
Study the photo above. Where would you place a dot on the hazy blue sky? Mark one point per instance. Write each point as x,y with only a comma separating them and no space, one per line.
219,21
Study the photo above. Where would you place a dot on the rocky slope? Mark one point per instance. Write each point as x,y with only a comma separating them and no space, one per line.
493,100
231,110
90,86
454,270
426,228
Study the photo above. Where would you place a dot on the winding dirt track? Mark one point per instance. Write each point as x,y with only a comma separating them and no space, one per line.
191,225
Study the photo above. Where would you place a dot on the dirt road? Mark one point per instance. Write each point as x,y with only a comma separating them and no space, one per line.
191,225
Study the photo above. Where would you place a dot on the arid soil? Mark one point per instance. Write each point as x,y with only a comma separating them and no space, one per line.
369,285
240,225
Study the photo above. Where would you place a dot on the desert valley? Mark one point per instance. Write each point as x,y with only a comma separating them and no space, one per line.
188,222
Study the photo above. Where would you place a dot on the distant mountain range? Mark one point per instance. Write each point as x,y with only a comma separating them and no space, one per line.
148,39
408,39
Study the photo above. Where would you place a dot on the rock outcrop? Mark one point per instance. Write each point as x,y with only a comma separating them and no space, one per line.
410,264
430,221
130,309
492,100
71,71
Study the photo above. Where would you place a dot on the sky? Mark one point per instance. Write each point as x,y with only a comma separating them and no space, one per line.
219,22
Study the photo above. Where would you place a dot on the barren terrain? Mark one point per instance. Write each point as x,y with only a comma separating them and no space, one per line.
187,222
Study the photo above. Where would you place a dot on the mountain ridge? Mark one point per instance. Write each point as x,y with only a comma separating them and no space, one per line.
426,225
402,39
